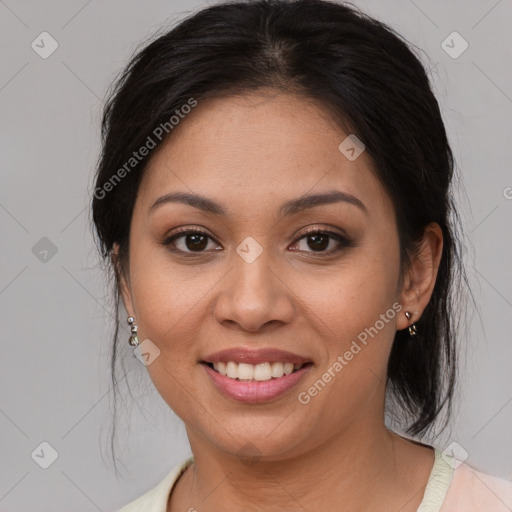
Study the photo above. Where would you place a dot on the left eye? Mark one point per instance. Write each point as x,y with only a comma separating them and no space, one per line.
319,241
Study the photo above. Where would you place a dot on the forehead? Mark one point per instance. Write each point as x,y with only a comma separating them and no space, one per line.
259,148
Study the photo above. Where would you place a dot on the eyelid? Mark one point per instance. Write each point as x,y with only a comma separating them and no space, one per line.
188,229
324,228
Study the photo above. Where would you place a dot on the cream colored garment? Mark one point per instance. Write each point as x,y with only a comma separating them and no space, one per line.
452,487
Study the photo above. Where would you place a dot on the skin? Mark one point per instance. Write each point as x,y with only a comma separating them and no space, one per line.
251,153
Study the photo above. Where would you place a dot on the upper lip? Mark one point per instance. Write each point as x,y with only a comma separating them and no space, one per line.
255,356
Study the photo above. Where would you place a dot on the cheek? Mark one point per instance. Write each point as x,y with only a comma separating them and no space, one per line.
167,305
351,297
355,320
173,304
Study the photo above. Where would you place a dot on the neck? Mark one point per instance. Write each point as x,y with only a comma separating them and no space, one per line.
361,468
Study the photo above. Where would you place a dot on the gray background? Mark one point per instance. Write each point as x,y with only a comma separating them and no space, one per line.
55,308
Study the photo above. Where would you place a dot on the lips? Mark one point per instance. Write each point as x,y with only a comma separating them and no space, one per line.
254,391
255,376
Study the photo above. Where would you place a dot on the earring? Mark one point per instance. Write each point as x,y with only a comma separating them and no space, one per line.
412,328
134,339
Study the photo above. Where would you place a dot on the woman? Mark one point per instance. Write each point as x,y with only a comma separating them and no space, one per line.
274,195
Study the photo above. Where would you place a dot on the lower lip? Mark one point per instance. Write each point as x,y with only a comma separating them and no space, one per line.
255,391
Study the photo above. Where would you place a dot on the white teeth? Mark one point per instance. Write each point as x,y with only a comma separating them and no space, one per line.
288,368
259,372
245,371
232,370
277,370
262,371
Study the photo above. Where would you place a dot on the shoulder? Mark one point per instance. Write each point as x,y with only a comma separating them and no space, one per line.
155,500
454,486
474,490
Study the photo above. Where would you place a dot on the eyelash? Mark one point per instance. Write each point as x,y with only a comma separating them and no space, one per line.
342,240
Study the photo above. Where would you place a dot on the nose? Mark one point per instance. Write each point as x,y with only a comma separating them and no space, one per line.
254,296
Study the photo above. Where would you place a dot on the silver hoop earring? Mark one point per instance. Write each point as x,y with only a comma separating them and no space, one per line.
412,328
134,339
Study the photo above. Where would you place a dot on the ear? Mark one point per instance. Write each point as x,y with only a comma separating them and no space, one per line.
123,280
421,277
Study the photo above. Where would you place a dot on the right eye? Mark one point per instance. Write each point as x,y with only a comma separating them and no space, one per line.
191,240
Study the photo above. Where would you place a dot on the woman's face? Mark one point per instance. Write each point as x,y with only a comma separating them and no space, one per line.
255,281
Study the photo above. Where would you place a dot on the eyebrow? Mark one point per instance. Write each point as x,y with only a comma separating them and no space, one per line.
288,208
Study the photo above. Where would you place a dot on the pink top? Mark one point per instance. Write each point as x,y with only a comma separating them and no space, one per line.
453,486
